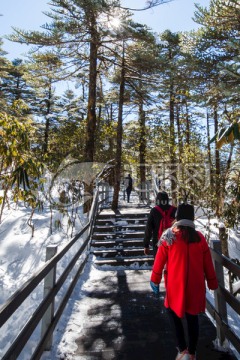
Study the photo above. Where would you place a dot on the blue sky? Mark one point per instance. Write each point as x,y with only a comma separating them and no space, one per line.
28,14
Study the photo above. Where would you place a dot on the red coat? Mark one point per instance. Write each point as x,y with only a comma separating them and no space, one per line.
188,266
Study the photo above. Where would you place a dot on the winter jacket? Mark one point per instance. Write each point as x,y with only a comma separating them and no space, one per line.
152,226
188,266
128,183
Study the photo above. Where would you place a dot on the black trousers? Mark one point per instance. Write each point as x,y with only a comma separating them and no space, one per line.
193,331
128,191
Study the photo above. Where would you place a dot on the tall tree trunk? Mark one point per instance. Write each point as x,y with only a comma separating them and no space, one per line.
91,110
117,177
190,172
180,140
173,170
180,147
142,149
111,146
99,118
187,125
217,164
47,123
209,153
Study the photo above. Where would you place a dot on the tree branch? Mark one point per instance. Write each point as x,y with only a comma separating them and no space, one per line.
149,5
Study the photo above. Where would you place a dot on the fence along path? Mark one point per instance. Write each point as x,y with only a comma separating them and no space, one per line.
46,313
120,317
142,328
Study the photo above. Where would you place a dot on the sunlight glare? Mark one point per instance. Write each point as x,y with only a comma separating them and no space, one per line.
115,22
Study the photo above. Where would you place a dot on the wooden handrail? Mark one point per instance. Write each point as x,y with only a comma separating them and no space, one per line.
222,297
226,262
231,336
13,303
30,326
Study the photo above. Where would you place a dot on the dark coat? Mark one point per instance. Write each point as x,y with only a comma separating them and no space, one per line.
129,183
152,227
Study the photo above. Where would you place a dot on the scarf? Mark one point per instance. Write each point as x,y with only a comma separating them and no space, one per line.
184,222
169,235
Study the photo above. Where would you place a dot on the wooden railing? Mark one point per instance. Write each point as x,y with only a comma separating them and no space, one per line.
219,312
222,297
14,302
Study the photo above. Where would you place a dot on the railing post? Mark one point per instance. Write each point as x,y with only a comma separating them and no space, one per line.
148,191
140,192
92,215
223,236
144,191
49,283
220,303
107,198
103,192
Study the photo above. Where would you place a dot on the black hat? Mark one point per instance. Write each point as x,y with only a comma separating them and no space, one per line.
185,211
162,198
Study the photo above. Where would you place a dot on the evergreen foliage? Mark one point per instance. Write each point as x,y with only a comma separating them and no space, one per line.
163,104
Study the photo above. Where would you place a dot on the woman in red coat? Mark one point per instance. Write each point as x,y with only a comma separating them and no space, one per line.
186,258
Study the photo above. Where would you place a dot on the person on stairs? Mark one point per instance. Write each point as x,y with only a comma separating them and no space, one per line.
160,218
129,183
186,257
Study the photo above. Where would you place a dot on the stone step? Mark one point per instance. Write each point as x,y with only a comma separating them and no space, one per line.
118,235
112,221
116,243
117,239
126,252
125,261
118,228
117,217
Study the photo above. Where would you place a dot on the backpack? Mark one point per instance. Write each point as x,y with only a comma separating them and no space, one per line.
166,221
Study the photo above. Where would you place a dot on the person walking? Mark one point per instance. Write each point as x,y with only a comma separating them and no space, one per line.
128,187
160,218
186,256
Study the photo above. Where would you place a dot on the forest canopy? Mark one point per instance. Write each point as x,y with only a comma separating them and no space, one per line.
157,105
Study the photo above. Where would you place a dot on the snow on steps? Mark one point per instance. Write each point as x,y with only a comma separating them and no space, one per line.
117,239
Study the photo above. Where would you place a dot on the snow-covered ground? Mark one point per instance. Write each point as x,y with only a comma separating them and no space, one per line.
21,255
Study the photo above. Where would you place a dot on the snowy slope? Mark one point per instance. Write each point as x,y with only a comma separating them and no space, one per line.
21,255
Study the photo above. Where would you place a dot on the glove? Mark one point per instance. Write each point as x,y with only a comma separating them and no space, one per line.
155,287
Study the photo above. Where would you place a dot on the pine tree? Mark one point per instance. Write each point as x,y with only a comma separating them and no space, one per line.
14,85
44,71
4,70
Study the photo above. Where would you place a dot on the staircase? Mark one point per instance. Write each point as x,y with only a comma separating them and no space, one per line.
117,238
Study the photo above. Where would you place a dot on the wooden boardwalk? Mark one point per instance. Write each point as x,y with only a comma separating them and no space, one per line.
126,321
